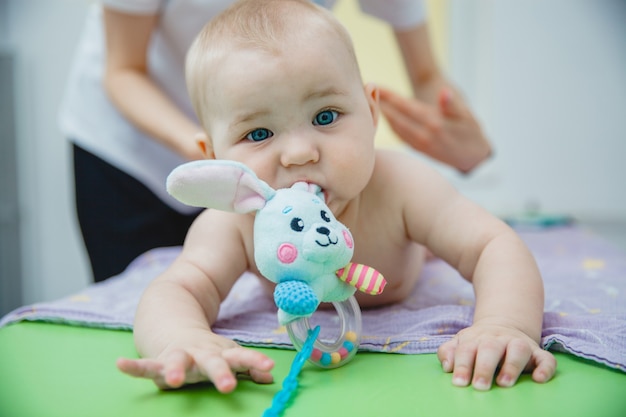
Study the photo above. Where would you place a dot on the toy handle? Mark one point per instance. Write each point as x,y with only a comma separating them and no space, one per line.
331,354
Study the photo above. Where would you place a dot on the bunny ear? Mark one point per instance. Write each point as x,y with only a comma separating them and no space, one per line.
311,188
222,185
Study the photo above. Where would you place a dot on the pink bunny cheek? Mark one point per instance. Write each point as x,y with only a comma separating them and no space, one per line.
287,253
348,238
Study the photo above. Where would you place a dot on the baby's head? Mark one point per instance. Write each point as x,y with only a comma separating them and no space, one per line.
265,25
276,86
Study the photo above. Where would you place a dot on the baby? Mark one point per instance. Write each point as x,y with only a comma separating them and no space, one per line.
276,86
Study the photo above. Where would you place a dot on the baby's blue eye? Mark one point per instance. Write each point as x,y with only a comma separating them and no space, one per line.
258,135
325,117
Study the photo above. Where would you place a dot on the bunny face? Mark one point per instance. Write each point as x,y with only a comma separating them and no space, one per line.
298,242
296,237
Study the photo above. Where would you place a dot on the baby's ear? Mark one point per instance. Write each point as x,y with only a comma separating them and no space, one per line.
205,145
372,95
223,185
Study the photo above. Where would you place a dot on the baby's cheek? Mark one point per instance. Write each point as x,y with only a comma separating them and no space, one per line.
287,253
348,238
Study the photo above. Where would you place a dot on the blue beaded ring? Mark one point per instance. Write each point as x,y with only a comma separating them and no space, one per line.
331,354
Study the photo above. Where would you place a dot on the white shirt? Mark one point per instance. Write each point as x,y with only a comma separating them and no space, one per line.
91,121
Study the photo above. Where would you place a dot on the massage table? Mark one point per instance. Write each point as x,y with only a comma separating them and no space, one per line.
67,371
55,361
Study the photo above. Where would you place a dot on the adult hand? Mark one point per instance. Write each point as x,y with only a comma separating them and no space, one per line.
447,132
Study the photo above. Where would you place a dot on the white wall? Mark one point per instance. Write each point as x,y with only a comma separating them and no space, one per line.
43,34
547,78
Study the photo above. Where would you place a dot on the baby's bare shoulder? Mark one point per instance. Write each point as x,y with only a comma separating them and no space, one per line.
220,231
212,219
400,171
411,187
394,177
220,244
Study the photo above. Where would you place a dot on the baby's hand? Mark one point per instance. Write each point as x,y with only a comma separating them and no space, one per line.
475,354
214,359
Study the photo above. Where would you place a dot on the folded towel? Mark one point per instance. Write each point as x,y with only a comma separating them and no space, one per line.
585,310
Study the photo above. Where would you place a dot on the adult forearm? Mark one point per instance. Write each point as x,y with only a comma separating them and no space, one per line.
438,122
147,107
426,78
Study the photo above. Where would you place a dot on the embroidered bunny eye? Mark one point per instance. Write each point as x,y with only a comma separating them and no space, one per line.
325,216
297,224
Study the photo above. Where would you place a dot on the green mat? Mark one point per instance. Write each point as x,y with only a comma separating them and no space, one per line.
57,370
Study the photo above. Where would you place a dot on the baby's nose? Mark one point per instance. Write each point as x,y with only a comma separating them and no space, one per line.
299,150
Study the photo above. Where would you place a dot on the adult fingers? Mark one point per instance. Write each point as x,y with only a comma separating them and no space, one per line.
407,129
450,104
411,108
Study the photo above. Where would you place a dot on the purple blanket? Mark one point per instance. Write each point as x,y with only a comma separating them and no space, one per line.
585,310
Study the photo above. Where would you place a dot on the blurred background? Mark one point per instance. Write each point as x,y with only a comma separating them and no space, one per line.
547,79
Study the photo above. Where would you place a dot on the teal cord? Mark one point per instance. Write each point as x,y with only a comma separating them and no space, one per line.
290,383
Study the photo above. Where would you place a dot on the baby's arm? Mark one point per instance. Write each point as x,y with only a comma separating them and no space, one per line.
508,317
173,321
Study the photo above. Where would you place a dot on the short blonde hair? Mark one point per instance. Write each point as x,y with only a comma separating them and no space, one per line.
257,24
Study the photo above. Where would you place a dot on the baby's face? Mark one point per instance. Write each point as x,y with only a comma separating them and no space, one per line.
302,115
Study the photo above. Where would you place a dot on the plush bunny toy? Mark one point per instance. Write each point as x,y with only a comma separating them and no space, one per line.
298,243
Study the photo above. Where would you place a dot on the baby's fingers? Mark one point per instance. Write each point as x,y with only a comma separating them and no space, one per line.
545,365
489,355
249,361
445,353
518,355
168,374
217,370
140,368
459,359
220,368
176,370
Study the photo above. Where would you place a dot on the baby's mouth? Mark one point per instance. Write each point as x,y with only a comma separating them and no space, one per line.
319,191
311,187
314,188
324,194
